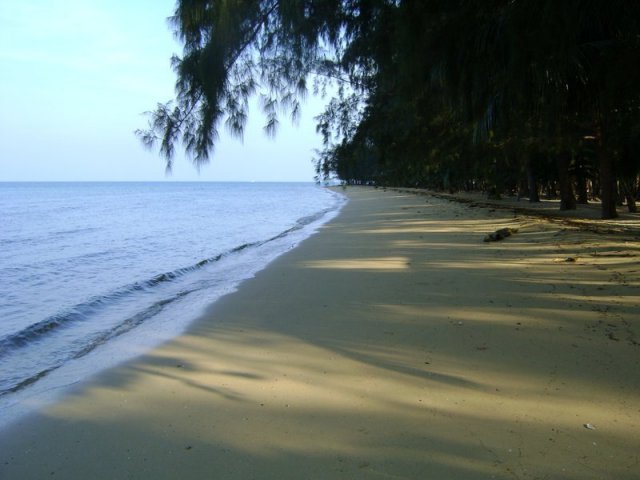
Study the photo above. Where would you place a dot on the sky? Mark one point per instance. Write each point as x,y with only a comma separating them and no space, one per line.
75,79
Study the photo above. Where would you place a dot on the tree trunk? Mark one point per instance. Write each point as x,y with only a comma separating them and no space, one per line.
628,190
607,186
581,189
595,188
532,181
567,198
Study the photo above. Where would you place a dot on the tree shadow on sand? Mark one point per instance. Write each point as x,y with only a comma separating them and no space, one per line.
413,351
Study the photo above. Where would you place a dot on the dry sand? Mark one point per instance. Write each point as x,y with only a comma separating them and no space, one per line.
393,344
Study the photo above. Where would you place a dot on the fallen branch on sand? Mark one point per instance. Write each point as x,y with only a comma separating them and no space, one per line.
500,234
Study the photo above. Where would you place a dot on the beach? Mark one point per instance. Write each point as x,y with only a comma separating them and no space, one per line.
395,344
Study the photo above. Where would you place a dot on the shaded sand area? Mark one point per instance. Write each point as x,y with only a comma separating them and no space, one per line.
393,344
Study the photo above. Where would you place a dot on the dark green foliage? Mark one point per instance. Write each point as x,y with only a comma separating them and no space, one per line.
508,96
233,50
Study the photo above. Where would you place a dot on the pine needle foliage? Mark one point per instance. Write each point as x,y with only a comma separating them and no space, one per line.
234,49
439,93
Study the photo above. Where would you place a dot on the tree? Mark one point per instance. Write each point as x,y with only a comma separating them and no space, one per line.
435,93
234,49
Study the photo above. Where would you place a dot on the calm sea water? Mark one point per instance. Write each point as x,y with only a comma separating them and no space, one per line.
91,273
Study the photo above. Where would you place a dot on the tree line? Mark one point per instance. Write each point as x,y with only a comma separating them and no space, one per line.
530,97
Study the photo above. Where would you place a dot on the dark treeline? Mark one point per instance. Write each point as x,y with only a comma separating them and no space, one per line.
527,97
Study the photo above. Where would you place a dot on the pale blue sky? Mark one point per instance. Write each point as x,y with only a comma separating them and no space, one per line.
76,76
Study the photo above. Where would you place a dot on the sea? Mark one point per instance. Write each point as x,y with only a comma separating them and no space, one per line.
92,274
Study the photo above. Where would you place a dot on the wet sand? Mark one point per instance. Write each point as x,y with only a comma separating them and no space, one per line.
392,344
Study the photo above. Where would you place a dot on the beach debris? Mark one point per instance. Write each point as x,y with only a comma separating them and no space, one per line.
500,234
589,426
612,336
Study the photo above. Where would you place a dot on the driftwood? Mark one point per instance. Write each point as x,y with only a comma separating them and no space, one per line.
500,234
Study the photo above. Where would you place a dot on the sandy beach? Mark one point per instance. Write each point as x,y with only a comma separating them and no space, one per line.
392,344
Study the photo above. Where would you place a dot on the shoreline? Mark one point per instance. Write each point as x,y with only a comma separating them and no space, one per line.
393,343
237,263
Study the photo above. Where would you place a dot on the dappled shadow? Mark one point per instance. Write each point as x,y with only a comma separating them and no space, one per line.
585,215
394,344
